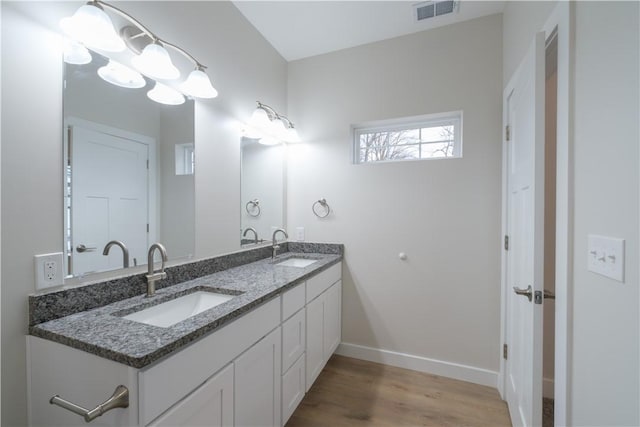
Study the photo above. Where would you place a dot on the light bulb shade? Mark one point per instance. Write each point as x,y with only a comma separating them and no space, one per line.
155,62
292,135
252,133
278,129
260,120
75,53
93,27
198,85
120,75
165,95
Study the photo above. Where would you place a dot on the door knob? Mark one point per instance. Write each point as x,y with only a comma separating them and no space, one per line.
524,292
82,248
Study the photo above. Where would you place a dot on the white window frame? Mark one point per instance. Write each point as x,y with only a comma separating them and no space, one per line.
409,123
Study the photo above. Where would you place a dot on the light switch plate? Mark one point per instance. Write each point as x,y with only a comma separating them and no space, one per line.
300,234
605,256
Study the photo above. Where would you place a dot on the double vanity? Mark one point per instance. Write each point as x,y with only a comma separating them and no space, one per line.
239,342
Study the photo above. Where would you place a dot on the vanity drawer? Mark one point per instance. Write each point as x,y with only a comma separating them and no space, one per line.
293,339
167,382
321,282
293,300
293,387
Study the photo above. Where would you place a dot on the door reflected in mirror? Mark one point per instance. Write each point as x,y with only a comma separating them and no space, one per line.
129,172
262,191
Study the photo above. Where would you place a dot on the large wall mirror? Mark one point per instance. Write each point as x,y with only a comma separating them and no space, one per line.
262,192
129,164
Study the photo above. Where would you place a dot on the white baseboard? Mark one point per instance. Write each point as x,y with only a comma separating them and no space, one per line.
547,388
422,364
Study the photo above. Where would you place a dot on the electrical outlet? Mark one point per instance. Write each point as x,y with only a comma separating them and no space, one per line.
300,234
48,270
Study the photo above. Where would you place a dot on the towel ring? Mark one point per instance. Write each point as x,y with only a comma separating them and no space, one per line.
253,207
325,205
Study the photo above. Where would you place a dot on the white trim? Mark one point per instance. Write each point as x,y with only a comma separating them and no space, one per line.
442,368
562,19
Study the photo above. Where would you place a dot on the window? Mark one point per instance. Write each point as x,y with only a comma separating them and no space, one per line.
185,159
432,136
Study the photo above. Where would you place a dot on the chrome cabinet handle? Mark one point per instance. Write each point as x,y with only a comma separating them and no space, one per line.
524,292
82,248
119,399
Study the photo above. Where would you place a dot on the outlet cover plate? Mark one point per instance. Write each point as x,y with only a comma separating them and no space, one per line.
49,271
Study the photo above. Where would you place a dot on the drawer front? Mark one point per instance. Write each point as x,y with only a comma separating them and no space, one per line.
293,387
170,380
321,282
210,405
293,339
293,300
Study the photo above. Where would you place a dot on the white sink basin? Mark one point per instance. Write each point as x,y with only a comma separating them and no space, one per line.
174,311
297,262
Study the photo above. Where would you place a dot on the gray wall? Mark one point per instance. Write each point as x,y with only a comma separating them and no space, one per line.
442,303
214,32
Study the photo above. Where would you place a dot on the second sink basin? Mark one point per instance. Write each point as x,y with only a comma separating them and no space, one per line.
297,262
176,310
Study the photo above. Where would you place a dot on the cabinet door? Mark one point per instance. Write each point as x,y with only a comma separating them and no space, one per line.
315,339
332,319
257,383
210,405
293,339
292,388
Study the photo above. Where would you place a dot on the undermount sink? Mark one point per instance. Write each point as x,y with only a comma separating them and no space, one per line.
176,310
297,262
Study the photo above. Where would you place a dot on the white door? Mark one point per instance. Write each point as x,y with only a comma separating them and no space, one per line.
525,219
109,182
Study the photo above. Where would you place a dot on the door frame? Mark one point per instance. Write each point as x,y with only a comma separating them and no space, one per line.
152,196
562,19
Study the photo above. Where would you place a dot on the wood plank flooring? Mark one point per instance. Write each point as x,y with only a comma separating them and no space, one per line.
352,392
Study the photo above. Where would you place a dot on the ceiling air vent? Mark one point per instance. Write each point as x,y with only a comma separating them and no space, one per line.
430,9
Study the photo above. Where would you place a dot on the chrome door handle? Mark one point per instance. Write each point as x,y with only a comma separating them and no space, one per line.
524,292
82,248
549,295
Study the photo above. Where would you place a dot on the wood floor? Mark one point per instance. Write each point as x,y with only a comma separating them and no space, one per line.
352,392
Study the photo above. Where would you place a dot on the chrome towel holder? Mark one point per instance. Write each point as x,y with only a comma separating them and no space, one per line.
253,207
119,399
321,203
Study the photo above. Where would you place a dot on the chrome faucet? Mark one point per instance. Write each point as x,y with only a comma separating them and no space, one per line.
274,242
255,234
153,276
125,251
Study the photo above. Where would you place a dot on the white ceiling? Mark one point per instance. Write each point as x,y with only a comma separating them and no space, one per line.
298,29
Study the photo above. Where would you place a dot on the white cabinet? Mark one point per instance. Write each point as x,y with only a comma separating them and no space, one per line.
210,405
257,383
332,319
253,371
293,388
315,340
293,339
323,330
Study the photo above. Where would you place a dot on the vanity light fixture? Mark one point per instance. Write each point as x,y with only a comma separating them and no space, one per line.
91,26
121,75
270,127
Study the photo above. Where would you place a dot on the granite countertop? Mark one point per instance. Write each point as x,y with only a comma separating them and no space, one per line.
104,332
